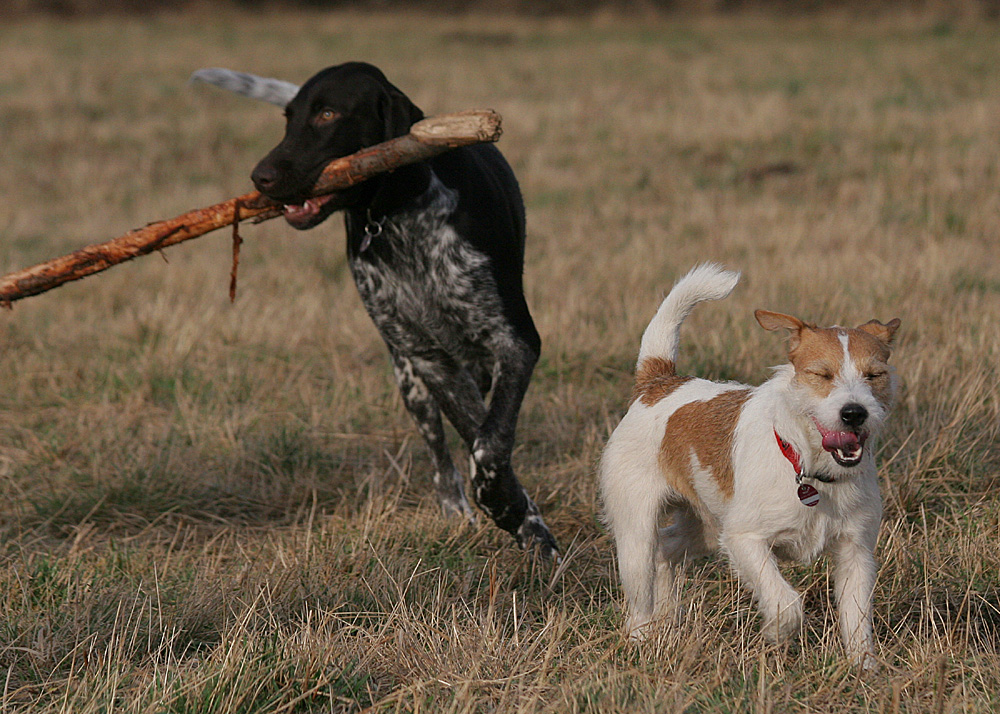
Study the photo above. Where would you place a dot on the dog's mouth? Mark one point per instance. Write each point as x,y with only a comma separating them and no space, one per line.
310,212
846,447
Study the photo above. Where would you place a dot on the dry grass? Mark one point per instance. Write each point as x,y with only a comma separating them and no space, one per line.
223,508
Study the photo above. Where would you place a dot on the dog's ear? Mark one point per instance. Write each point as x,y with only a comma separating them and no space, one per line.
398,112
885,332
775,321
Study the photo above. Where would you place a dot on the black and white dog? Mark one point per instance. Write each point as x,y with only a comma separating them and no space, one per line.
437,252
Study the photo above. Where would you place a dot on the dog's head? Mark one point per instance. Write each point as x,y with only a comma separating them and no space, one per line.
842,378
339,111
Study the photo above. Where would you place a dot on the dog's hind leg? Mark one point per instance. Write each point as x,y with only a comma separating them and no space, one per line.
632,490
423,407
680,542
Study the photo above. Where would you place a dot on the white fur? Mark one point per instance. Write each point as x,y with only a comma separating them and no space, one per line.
764,519
707,281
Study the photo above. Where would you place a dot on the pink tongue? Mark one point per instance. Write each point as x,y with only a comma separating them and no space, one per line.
843,440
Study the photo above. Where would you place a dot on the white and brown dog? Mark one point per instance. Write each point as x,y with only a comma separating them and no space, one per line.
784,469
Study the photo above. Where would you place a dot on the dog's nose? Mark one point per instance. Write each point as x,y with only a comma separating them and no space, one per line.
853,414
264,177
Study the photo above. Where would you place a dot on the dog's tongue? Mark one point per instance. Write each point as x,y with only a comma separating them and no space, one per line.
846,447
846,441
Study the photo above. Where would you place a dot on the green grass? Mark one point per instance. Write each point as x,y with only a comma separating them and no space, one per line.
215,507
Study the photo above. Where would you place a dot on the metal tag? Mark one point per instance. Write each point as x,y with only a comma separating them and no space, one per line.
808,495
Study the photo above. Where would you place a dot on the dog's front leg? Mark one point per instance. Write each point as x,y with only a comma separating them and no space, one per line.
496,488
854,584
755,564
489,434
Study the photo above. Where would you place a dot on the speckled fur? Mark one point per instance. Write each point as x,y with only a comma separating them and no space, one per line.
434,300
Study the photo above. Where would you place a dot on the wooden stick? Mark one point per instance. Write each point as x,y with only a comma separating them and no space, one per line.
426,139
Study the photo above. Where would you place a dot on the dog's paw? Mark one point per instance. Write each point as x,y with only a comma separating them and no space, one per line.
534,536
784,621
862,655
637,631
457,509
451,497
867,662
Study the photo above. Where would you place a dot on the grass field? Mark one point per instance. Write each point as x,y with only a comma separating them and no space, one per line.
215,507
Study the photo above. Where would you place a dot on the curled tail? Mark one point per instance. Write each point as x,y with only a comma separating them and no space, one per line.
707,281
274,91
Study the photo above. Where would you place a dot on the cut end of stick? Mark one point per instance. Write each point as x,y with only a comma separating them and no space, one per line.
454,129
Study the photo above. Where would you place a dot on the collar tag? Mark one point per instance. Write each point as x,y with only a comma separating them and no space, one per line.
808,495
373,229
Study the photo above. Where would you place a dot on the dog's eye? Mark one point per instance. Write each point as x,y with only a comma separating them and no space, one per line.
325,116
821,374
872,376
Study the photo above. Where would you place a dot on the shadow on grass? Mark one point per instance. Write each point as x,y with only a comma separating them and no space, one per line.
274,476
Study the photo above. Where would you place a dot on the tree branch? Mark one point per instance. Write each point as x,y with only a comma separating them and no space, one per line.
426,139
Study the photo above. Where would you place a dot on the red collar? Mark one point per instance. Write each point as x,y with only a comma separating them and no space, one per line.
789,452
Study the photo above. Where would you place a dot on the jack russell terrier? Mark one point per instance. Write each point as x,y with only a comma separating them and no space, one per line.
782,470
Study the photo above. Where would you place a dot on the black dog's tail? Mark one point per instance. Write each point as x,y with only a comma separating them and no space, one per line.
266,89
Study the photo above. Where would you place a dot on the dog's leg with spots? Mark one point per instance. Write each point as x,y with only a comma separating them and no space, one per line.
458,394
423,407
495,487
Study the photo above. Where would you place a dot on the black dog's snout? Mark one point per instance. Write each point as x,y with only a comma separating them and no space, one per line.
853,414
264,176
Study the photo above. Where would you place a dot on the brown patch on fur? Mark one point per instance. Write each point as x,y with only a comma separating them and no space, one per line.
818,358
655,379
871,356
866,349
706,428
